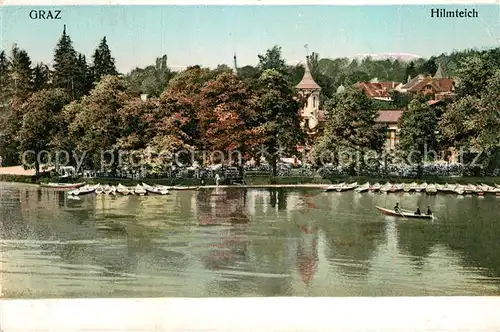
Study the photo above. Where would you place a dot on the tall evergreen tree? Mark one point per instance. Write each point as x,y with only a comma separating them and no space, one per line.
41,77
21,73
84,78
4,78
104,63
70,68
411,71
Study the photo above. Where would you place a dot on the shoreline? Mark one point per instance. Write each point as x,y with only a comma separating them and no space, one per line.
256,182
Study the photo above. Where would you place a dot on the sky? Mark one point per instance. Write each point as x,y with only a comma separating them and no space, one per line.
210,35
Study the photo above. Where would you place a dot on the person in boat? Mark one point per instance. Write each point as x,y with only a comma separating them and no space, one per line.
429,212
396,208
418,212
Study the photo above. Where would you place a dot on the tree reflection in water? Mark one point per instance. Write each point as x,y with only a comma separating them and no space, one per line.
307,252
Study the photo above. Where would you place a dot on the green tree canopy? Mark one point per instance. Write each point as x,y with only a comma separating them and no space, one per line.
103,62
418,126
351,128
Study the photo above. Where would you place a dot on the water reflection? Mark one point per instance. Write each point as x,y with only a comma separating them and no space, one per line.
271,242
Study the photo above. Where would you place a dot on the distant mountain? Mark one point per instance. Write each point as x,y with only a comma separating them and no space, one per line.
390,56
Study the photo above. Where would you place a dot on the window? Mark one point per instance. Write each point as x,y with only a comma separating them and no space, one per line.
314,101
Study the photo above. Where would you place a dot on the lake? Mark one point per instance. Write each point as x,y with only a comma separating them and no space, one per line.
245,242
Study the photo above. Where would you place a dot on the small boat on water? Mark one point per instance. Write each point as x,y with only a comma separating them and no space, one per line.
420,187
85,190
489,189
385,187
121,189
155,190
140,190
99,189
403,213
62,185
347,187
446,188
363,188
431,189
397,187
392,188
375,187
106,189
407,187
459,189
469,189
334,187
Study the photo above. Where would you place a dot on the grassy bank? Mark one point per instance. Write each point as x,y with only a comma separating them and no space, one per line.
260,180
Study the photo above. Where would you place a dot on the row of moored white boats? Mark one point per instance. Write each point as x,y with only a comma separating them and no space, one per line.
429,188
120,189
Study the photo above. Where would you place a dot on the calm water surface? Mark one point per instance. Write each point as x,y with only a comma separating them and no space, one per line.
236,242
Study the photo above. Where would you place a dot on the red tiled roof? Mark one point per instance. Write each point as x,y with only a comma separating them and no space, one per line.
377,89
389,116
438,84
446,84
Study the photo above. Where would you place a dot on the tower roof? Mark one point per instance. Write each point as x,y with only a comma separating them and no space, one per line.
307,82
439,72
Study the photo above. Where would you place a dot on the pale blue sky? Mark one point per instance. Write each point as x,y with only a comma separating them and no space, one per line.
209,35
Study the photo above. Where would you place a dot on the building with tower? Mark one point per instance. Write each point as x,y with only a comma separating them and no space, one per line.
311,116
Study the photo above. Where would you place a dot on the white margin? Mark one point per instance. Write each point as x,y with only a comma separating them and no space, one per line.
242,2
253,314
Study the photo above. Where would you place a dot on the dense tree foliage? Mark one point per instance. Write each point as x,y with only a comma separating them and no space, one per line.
351,130
418,126
89,108
472,122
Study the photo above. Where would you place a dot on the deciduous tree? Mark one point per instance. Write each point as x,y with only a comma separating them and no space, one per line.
41,115
418,126
277,105
351,129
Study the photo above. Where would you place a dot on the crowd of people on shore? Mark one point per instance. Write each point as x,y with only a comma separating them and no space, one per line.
329,171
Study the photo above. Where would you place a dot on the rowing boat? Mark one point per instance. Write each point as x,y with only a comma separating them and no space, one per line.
85,190
403,214
62,185
155,190
375,187
431,189
121,189
99,189
363,188
347,187
334,187
140,190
